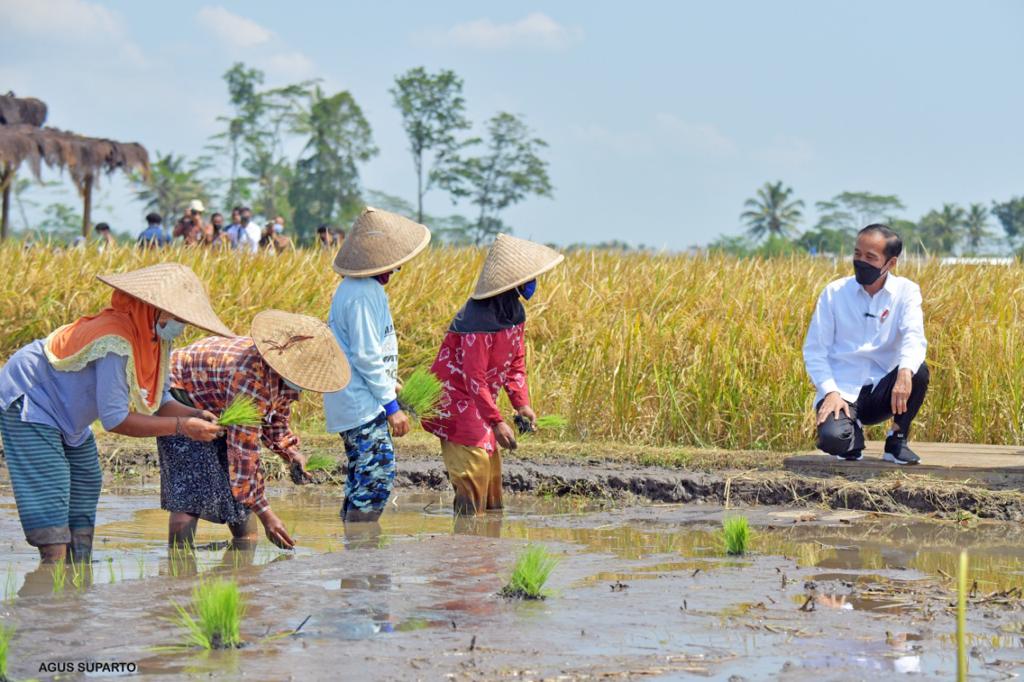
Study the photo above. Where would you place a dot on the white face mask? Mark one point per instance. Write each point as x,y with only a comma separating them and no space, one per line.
170,330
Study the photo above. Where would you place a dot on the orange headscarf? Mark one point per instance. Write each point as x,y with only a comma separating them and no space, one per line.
132,320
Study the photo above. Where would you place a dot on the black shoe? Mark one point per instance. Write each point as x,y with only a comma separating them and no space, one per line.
851,456
897,452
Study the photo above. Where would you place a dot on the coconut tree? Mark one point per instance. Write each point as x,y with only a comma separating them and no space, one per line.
772,212
942,230
976,226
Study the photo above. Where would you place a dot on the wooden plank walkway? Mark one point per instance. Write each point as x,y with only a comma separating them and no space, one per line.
996,466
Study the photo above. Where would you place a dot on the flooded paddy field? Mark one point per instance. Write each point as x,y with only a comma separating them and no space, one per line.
640,592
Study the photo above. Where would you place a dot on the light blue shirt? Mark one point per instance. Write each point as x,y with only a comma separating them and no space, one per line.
855,339
361,321
68,401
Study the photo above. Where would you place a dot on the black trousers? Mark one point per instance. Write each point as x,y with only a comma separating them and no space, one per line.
873,406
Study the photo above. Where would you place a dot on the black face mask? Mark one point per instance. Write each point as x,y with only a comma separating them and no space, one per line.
866,273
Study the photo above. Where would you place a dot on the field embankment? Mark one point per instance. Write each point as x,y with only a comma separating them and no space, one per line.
657,350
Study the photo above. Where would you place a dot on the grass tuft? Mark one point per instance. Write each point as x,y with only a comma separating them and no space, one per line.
214,618
6,634
241,412
532,570
421,394
736,535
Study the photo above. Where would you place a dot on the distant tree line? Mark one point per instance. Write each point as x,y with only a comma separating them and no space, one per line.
247,162
773,216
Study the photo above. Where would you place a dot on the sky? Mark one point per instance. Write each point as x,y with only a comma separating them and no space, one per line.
662,117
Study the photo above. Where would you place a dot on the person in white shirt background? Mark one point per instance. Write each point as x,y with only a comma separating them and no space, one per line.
865,352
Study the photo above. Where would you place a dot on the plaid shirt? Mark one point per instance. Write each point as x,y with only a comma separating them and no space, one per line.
215,370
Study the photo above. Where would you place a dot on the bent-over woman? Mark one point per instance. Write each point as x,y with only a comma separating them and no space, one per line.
221,481
482,353
111,367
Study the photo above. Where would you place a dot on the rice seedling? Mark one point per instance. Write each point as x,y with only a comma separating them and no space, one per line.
10,584
532,569
214,617
552,422
961,619
320,461
110,570
421,394
140,561
59,575
6,634
241,412
735,535
658,349
79,574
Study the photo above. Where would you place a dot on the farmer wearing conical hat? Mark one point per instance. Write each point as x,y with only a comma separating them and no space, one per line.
111,367
378,244
482,353
222,481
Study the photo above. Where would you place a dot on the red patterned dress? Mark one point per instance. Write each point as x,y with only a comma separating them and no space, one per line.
473,368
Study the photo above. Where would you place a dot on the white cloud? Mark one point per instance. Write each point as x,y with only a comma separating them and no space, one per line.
41,26
63,18
534,31
231,28
288,65
698,137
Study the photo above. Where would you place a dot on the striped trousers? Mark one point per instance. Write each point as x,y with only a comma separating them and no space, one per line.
56,487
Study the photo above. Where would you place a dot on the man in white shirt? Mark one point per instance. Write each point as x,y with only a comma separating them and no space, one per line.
249,232
865,352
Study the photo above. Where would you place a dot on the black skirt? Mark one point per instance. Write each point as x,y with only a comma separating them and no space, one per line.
194,480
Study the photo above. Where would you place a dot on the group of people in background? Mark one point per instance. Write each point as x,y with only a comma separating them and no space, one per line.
118,367
242,233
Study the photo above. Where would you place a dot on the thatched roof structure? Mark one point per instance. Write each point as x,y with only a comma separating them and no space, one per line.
22,110
24,140
83,157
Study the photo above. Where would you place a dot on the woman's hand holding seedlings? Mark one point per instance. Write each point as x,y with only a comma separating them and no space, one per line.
275,530
200,429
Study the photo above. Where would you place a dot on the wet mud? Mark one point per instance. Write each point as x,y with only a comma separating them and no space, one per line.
640,592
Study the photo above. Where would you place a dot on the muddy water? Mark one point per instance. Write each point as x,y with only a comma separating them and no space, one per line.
641,591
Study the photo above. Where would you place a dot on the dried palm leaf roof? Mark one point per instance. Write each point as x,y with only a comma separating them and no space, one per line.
83,157
22,110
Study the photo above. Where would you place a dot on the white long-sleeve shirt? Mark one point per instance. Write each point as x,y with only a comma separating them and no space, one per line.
855,339
361,321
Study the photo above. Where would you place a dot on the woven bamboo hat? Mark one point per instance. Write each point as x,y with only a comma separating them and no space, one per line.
513,261
302,349
379,242
174,289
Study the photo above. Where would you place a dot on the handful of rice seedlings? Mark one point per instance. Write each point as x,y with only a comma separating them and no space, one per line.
553,422
241,412
421,394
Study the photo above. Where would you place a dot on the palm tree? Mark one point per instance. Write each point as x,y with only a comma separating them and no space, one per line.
941,230
171,184
976,226
772,213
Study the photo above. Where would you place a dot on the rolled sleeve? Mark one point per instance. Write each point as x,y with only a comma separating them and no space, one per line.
112,402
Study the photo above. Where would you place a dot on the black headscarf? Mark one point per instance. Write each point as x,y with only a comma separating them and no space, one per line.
493,314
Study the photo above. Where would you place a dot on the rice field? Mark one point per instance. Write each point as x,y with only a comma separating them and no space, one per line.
650,349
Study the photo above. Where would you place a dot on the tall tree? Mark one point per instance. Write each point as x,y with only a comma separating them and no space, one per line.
509,170
253,139
975,226
940,231
172,183
850,211
326,185
1010,215
433,111
772,212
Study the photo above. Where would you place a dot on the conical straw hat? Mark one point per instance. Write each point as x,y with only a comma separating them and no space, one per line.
174,289
513,261
379,242
302,349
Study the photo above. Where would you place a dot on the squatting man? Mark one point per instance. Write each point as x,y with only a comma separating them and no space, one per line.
865,352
